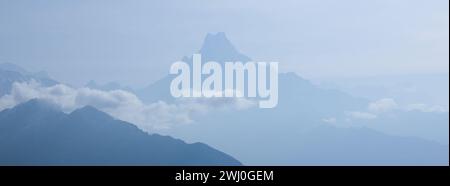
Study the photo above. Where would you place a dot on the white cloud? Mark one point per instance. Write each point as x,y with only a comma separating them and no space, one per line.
425,108
388,104
331,120
121,104
383,105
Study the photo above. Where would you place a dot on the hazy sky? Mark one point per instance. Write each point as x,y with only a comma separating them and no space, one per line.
134,42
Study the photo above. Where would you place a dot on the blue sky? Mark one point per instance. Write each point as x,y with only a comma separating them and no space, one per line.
134,42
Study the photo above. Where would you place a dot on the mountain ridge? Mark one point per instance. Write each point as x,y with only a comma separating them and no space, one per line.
88,136
288,130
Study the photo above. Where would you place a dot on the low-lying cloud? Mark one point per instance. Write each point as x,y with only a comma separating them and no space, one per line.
385,105
121,104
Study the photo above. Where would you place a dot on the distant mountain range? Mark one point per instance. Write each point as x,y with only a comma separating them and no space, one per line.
310,126
36,133
107,87
10,73
294,132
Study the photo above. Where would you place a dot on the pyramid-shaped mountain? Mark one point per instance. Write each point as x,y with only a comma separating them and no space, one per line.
217,47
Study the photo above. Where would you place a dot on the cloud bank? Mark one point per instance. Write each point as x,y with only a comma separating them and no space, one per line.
121,104
385,106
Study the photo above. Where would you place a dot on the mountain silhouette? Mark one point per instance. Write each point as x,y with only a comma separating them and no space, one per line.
294,90
293,133
10,73
13,67
107,87
37,133
217,47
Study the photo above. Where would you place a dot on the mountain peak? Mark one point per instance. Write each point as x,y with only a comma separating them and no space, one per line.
217,38
36,104
13,67
87,108
217,47
217,42
90,112
29,114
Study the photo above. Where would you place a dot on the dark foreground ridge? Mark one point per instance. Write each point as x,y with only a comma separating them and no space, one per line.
35,133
